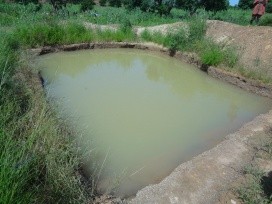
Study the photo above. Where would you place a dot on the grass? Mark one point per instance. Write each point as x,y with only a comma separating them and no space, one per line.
257,185
252,192
53,33
39,160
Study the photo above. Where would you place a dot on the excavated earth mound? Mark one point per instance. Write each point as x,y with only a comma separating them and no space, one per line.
254,43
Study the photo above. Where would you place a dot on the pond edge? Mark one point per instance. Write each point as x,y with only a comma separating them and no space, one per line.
200,179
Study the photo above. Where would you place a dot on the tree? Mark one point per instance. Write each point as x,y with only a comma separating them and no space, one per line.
165,7
103,2
86,5
58,4
27,1
162,7
269,7
212,5
245,4
115,3
131,4
190,5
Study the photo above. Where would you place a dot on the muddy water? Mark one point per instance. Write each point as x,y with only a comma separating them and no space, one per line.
142,114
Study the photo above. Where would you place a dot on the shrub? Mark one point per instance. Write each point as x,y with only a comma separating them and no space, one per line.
212,56
252,191
103,2
176,41
197,29
6,20
266,20
126,25
115,3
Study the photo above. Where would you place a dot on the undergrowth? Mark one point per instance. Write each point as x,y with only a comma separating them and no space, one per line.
38,35
39,161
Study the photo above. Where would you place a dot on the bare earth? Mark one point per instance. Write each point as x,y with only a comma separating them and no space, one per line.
254,43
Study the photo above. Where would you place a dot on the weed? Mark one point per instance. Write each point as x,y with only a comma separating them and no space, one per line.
252,192
212,56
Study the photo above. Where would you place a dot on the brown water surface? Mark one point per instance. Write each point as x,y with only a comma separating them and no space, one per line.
142,113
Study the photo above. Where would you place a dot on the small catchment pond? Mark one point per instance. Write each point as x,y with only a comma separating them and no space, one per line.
141,113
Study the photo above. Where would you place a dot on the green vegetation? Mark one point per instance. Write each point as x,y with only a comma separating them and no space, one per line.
39,161
253,191
257,185
192,39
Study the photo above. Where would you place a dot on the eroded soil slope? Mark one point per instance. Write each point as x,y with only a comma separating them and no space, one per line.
254,43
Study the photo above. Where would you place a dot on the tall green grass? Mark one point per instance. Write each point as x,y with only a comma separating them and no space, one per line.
39,161
38,35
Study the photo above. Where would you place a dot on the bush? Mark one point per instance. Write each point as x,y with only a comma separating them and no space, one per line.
266,20
103,2
197,29
126,25
212,56
115,3
176,41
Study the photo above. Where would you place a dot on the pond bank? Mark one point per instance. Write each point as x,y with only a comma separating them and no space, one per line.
204,178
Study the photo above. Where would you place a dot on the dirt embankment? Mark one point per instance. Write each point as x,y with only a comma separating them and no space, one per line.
253,43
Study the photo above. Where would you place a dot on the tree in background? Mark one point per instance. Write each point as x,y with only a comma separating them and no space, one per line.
86,5
209,5
131,4
269,7
245,4
115,3
103,2
162,7
27,1
190,5
212,5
